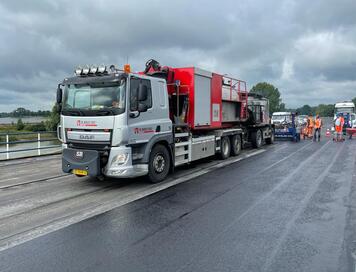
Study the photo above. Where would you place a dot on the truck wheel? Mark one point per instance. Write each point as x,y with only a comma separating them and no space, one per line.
159,164
256,138
235,145
270,140
225,148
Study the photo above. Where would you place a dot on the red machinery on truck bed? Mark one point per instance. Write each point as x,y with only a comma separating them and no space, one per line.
204,100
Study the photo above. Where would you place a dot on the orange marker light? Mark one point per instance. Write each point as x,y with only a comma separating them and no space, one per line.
127,68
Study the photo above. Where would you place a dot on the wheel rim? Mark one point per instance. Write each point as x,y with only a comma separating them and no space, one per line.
259,138
236,145
225,147
159,163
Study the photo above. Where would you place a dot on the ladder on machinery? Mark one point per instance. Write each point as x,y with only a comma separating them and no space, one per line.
181,144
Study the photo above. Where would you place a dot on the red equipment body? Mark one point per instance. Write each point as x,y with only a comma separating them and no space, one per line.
202,99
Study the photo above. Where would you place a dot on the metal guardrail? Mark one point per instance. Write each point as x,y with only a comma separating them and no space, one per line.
37,140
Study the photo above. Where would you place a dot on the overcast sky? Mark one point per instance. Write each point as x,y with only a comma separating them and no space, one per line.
305,48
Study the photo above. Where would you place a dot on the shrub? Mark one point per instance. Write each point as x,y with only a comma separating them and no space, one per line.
20,125
36,127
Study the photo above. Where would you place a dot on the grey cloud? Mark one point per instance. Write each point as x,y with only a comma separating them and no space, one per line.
276,41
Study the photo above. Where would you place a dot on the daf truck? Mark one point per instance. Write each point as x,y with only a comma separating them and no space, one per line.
121,124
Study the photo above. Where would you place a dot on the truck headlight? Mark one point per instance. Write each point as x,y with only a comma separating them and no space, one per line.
121,159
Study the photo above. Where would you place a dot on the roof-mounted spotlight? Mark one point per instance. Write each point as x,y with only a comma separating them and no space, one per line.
93,69
78,71
113,69
85,70
102,69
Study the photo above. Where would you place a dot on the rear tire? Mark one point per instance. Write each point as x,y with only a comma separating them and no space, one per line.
256,138
225,148
270,140
159,164
235,145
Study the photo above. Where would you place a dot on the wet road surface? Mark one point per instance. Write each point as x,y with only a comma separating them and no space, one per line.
290,208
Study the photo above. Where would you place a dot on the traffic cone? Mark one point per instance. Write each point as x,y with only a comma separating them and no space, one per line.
328,133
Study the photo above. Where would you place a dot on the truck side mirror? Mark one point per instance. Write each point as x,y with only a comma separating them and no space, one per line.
142,93
59,94
59,99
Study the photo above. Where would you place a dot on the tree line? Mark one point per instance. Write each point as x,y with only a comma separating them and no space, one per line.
48,125
22,112
276,104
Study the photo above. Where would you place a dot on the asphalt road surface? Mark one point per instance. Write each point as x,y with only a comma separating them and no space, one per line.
286,207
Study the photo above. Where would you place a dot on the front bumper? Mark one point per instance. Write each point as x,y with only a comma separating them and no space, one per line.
88,160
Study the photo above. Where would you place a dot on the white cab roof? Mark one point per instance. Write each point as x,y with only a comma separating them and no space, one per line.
281,113
344,104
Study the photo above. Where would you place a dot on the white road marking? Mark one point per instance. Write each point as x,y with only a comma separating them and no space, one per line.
285,158
82,215
8,179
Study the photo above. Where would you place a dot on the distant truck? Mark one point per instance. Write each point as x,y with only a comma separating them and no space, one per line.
286,126
347,108
344,107
121,124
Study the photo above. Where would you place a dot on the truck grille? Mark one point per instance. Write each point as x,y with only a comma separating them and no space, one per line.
91,146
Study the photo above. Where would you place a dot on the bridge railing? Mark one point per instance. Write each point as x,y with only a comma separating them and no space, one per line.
32,143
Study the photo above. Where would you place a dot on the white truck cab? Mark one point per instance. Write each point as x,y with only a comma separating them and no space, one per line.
344,107
109,123
281,117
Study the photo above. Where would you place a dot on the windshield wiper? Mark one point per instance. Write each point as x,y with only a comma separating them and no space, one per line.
107,111
74,112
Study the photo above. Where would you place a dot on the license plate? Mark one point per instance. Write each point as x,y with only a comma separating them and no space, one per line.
80,172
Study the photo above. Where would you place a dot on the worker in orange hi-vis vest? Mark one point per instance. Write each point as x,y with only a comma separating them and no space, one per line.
317,127
338,127
310,126
342,122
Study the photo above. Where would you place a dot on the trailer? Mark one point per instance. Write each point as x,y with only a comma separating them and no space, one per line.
121,124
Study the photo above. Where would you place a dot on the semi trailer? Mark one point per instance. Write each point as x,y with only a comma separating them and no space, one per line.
117,123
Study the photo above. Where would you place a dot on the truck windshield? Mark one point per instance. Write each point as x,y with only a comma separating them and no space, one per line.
345,109
98,99
281,118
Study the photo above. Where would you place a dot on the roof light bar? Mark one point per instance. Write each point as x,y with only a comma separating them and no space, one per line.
94,70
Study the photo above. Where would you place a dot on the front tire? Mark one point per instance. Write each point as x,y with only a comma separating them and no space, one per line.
225,148
159,164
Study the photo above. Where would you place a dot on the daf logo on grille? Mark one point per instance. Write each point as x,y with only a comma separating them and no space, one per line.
79,154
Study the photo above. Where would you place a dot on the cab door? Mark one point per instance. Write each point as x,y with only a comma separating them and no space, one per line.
140,119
